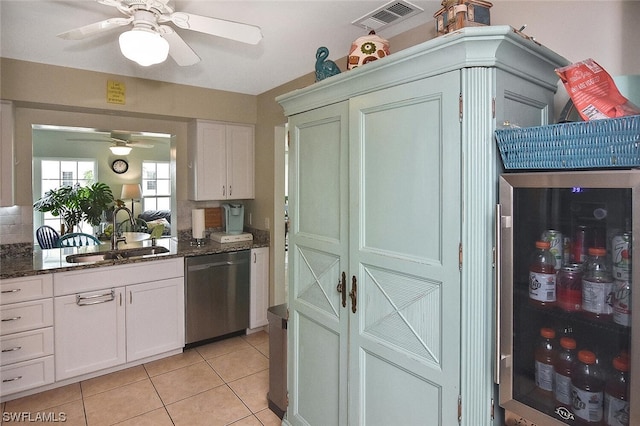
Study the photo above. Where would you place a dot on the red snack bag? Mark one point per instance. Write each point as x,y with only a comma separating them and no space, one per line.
594,92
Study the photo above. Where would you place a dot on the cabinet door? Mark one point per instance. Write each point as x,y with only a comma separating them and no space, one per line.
259,287
155,318
404,338
240,162
318,330
89,332
207,157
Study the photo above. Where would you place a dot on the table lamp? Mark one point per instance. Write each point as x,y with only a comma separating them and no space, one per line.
131,191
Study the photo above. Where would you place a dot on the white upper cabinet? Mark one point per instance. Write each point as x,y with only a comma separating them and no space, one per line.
6,154
221,161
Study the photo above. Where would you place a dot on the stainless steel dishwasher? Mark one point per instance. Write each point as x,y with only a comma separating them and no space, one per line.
216,295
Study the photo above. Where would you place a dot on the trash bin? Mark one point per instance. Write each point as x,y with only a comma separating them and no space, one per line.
277,395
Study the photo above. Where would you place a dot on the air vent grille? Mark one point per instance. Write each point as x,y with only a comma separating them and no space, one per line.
391,13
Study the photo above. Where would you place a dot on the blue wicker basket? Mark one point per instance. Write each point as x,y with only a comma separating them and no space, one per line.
608,143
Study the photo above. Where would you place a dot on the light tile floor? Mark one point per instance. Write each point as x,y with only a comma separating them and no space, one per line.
220,383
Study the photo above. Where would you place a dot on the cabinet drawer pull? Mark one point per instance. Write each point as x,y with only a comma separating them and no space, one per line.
11,319
15,290
95,299
16,348
11,380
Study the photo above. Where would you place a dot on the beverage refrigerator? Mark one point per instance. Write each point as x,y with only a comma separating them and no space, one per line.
568,338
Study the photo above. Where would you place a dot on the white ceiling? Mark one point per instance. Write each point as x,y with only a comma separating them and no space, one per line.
292,32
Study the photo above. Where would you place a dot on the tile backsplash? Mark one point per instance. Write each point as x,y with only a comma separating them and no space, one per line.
16,224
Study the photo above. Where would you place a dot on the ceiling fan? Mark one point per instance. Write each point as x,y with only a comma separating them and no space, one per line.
121,142
149,37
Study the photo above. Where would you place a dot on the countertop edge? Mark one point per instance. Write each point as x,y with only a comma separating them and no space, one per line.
25,266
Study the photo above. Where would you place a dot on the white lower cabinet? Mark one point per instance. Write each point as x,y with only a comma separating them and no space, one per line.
259,300
155,320
90,332
26,342
112,326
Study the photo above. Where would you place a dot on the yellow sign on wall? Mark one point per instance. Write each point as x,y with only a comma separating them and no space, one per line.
116,93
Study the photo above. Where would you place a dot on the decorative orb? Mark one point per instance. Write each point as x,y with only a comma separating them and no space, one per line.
366,49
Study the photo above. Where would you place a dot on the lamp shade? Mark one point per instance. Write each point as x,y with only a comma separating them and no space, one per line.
131,191
144,46
120,150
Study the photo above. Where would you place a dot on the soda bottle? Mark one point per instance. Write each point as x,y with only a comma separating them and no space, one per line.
569,287
542,276
545,355
597,286
587,390
622,302
616,394
562,371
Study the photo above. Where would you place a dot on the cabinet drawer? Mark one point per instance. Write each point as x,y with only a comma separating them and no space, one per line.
27,375
26,316
84,280
28,288
25,346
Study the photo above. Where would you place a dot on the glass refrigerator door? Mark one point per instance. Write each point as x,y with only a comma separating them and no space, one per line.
567,330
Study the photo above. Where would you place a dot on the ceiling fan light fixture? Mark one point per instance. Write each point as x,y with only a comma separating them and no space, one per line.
120,150
144,46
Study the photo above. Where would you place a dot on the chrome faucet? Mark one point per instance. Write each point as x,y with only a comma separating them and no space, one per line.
116,236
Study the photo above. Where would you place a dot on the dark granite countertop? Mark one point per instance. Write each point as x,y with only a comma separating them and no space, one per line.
54,260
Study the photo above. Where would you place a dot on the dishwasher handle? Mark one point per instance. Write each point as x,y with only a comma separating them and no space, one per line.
193,268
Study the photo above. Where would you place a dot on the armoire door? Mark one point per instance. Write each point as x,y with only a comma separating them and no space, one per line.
405,221
318,246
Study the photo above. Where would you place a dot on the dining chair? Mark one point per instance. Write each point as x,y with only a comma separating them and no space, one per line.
47,237
140,226
77,239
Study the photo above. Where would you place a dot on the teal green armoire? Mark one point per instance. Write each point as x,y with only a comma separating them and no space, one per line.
392,191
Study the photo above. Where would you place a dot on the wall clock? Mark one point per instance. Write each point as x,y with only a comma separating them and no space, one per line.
120,166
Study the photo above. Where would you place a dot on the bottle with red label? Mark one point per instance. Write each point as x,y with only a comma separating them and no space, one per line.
562,371
616,393
587,390
542,276
545,356
597,286
569,287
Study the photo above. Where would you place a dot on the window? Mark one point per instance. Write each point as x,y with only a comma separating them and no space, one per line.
55,173
156,185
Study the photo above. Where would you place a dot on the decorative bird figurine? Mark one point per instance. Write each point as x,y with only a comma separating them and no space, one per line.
325,67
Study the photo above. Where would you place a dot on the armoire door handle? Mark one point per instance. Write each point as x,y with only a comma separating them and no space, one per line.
354,294
342,288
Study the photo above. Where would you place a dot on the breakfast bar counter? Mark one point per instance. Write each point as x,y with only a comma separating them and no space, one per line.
55,260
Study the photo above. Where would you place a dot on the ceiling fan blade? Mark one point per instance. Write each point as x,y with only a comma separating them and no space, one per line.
95,28
178,48
88,140
245,33
140,145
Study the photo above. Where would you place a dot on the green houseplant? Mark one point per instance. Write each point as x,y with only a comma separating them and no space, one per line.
75,203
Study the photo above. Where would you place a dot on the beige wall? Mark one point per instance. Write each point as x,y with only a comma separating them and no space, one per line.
44,94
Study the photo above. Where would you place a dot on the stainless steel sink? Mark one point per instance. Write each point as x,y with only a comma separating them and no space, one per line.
116,254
